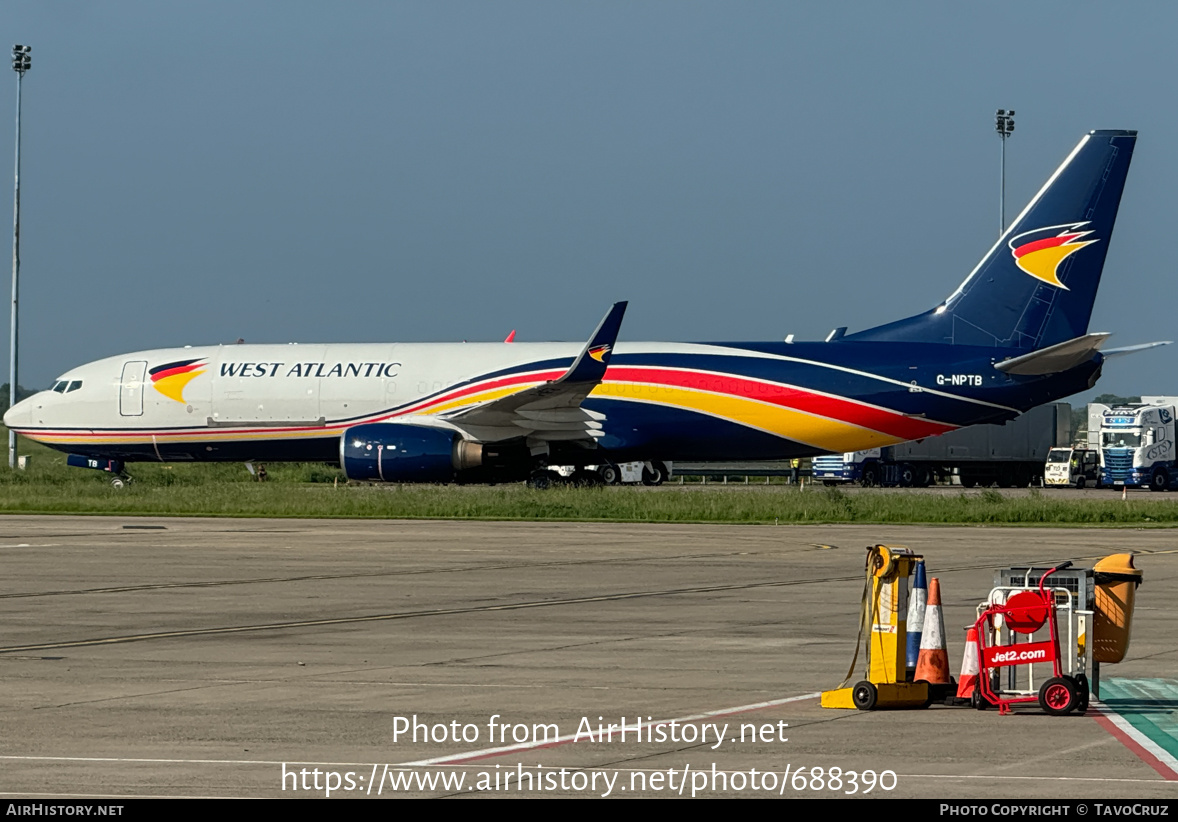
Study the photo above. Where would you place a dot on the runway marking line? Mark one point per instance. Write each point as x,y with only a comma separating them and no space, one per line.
1146,749
488,753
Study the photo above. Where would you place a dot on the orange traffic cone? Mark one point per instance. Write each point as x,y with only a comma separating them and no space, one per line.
969,666
933,664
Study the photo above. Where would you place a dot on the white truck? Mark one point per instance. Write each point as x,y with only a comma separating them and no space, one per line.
1136,443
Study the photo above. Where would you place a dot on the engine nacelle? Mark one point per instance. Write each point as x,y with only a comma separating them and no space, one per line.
388,452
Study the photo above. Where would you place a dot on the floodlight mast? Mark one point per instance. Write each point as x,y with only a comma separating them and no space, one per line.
1004,124
21,62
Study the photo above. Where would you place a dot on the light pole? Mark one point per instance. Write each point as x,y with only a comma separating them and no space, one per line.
21,62
1004,123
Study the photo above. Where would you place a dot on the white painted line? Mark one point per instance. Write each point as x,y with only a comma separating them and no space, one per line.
1164,757
486,753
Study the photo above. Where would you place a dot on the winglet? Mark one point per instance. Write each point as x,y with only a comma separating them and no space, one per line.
594,358
511,336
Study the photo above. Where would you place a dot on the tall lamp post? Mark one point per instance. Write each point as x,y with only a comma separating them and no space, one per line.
21,62
1004,123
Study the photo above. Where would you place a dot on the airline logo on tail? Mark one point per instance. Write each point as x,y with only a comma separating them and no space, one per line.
598,353
1040,252
169,379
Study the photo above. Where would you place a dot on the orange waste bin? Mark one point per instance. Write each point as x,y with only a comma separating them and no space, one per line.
1116,587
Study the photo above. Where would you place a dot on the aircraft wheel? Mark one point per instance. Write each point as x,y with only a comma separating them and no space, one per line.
609,474
655,474
585,479
1058,696
1160,481
540,480
864,696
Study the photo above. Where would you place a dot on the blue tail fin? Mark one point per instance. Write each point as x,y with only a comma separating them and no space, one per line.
1036,286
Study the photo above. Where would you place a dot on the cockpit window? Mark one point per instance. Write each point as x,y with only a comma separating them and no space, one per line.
59,386
74,386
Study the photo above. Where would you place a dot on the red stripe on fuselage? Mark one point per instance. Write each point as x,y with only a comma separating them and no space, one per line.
837,408
477,388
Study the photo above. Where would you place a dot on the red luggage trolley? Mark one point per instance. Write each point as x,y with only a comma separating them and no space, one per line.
1025,612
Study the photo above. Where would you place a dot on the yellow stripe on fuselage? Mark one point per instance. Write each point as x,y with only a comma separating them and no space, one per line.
828,434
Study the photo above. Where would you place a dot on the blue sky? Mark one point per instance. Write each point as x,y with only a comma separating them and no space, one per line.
420,171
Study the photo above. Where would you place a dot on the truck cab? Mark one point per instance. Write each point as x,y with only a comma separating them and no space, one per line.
1137,444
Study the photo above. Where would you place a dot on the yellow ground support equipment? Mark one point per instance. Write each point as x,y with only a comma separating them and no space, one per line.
883,616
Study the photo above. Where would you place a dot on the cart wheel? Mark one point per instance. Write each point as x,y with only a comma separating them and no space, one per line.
1058,696
1082,693
978,701
864,696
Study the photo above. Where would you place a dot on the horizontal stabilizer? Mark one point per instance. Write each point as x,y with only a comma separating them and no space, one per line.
1133,349
1055,358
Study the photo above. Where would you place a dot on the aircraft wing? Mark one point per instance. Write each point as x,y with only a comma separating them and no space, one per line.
552,411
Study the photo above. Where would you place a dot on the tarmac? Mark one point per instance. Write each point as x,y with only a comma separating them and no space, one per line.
160,657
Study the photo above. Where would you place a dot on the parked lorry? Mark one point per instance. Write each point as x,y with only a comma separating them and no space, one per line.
1010,455
1136,442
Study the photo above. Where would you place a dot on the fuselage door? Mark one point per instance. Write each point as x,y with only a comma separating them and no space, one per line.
131,388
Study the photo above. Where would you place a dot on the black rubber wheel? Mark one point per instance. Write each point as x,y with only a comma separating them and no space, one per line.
864,695
868,480
1080,482
118,482
584,479
829,483
1083,694
907,476
541,481
654,475
978,701
1058,696
664,474
609,474
1160,481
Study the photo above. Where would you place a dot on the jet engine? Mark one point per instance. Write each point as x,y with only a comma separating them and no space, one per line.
391,452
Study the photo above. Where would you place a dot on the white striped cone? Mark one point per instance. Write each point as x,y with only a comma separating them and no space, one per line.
997,598
916,609
933,666
969,666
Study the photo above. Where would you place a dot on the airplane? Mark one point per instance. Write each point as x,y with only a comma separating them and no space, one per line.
1012,336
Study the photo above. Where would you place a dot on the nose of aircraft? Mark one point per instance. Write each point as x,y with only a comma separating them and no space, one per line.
20,414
